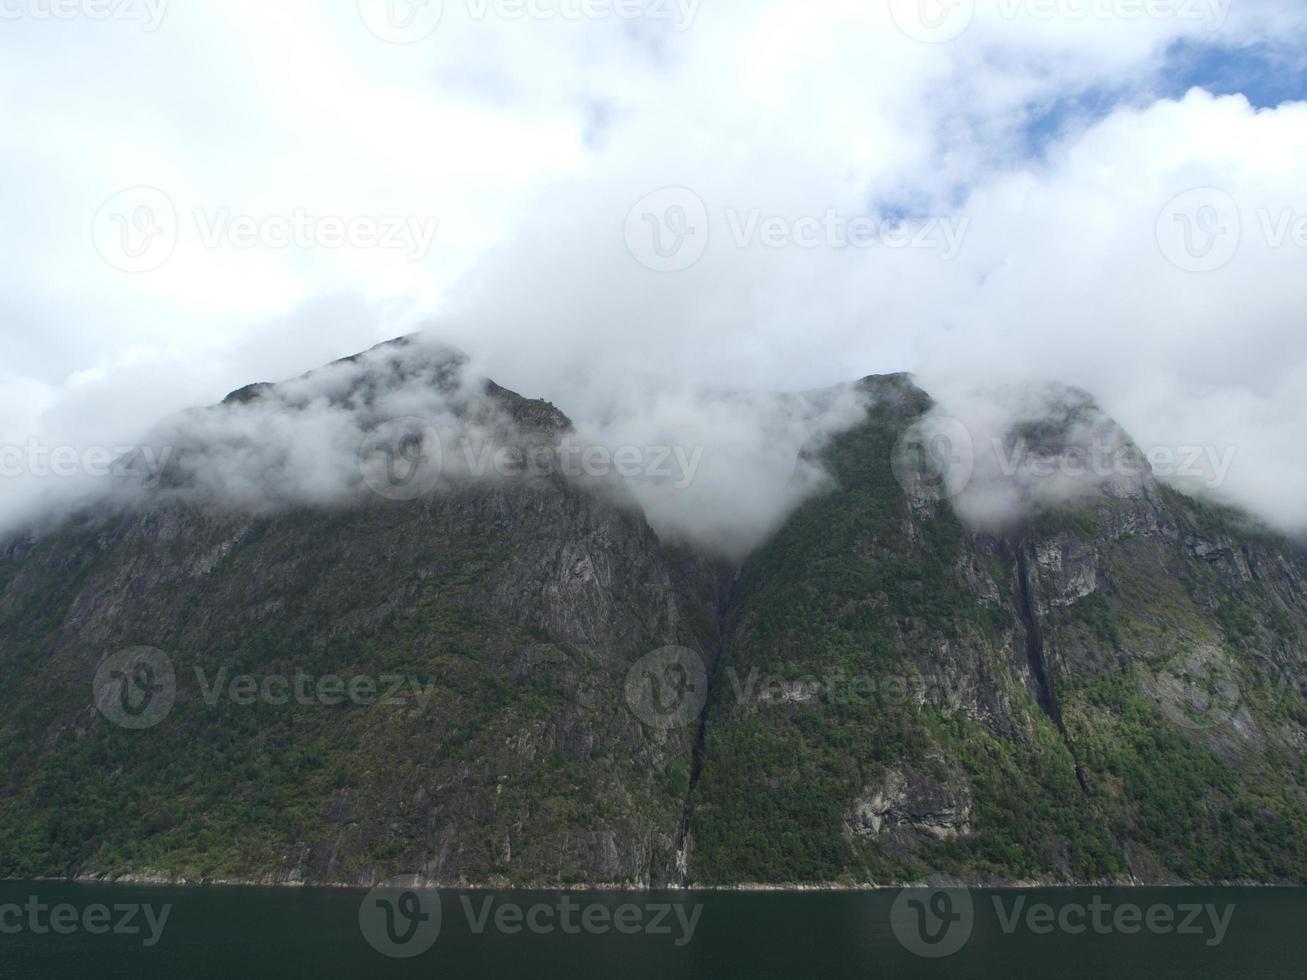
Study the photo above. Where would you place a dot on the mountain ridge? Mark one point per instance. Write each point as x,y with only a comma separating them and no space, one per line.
1109,689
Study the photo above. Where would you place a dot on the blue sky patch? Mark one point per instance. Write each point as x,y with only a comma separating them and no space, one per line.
1267,74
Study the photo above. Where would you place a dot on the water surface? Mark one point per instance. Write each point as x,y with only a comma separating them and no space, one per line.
278,933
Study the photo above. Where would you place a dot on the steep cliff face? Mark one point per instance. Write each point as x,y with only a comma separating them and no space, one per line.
1109,687
491,626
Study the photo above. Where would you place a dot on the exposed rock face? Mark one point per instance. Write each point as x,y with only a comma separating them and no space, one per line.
1109,689
912,805
1066,568
511,608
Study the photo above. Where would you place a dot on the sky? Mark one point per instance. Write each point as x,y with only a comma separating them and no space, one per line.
621,204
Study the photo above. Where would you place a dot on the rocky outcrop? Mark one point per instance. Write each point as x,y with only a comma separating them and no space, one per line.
908,807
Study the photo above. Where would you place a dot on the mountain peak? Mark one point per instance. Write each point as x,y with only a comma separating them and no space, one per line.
392,362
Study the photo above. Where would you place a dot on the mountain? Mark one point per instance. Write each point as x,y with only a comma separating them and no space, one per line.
251,667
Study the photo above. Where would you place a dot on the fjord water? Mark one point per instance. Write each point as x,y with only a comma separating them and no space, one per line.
280,933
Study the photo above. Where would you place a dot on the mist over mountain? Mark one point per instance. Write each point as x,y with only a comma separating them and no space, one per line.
1022,193
392,618
715,468
487,486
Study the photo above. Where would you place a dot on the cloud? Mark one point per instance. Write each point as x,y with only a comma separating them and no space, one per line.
533,141
1013,453
414,418
739,463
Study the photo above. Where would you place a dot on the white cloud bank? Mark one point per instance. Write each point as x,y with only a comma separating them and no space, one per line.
529,141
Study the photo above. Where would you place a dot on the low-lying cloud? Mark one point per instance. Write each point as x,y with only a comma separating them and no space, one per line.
717,470
1075,218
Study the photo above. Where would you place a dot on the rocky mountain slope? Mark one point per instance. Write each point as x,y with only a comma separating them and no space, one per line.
1107,687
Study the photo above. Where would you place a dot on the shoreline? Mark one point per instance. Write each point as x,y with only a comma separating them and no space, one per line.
415,882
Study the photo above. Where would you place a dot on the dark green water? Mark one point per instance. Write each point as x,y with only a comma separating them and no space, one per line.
281,933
